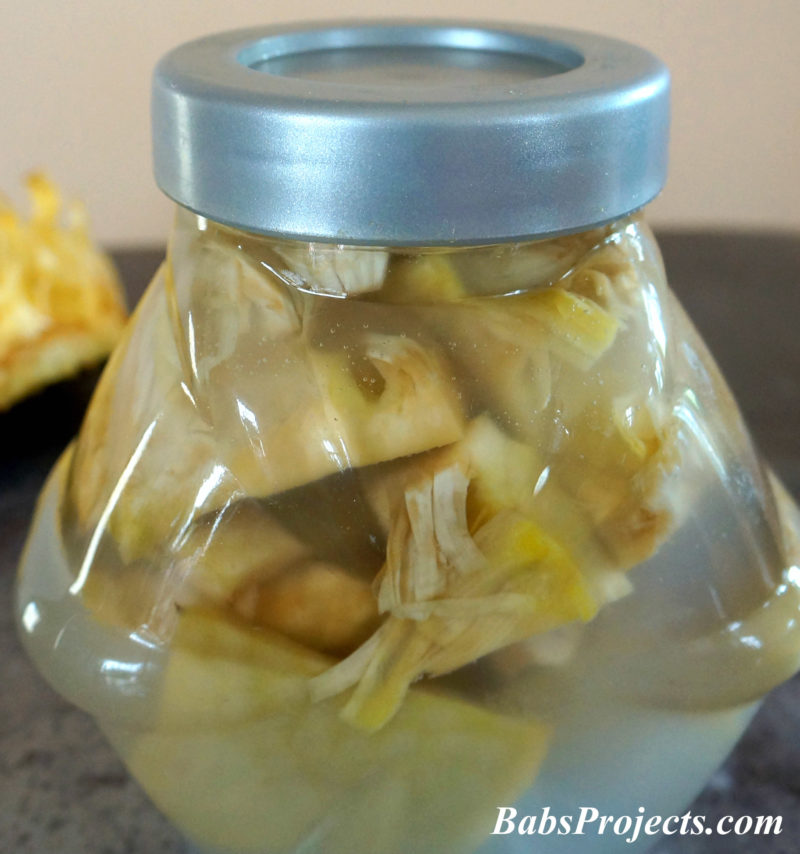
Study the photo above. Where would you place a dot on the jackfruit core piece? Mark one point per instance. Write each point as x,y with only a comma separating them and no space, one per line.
242,761
61,302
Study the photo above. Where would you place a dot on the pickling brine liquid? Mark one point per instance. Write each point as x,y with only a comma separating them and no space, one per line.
357,546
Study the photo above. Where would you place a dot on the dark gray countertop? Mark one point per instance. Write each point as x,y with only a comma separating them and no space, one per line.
62,790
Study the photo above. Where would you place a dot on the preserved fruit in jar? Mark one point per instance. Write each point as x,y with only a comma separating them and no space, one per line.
362,539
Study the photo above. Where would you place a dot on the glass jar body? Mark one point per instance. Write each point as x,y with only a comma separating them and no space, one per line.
358,545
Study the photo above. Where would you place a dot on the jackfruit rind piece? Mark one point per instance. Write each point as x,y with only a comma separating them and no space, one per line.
167,492
270,424
610,276
241,763
61,303
504,471
501,363
221,672
635,424
332,269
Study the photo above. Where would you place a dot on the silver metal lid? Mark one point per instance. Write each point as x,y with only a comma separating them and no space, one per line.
410,133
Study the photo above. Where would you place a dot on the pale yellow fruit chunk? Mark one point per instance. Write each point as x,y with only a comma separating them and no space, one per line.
315,603
241,761
330,269
230,550
422,279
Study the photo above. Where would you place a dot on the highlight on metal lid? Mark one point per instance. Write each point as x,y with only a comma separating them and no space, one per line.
405,133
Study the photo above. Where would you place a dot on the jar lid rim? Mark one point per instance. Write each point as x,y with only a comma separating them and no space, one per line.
410,132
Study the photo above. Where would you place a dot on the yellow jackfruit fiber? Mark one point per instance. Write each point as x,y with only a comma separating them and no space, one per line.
459,582
61,303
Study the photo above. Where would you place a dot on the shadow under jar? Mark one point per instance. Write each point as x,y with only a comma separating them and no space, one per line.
411,492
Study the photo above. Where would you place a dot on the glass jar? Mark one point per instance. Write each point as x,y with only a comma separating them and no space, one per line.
411,493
